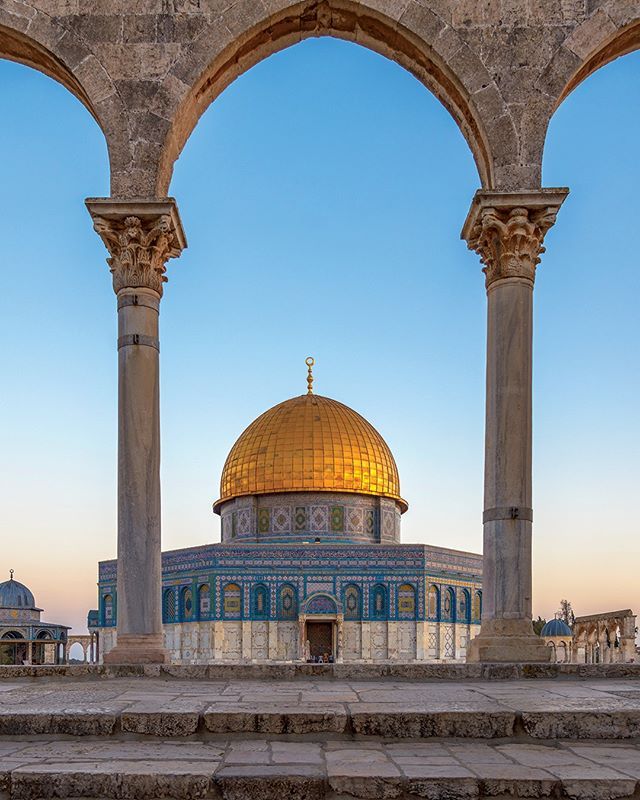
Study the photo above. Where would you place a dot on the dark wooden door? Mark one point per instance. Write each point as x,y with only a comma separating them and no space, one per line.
320,636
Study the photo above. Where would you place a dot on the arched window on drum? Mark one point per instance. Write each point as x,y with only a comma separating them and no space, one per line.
449,605
232,601
288,602
379,602
433,608
187,610
464,606
107,605
204,601
169,606
406,601
352,602
261,602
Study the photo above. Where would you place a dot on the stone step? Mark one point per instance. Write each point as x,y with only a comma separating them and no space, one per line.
410,671
274,769
338,709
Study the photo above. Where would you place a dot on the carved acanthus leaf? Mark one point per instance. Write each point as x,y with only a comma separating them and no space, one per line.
509,241
139,250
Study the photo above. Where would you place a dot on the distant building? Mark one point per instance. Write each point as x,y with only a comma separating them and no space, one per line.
24,639
607,638
310,565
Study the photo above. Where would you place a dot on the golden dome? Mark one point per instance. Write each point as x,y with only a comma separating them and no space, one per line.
310,444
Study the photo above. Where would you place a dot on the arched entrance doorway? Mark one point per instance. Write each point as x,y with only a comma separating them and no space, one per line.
321,622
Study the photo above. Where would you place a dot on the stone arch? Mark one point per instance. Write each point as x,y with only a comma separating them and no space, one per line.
598,40
562,652
77,651
417,38
29,36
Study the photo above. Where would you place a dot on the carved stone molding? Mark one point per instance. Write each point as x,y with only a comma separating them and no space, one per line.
507,230
141,236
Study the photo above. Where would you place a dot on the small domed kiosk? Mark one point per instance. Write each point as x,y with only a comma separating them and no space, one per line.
559,637
24,638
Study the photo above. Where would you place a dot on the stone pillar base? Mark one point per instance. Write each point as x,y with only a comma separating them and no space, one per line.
143,649
508,641
508,649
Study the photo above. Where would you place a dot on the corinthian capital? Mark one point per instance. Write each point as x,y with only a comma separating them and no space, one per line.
507,230
141,236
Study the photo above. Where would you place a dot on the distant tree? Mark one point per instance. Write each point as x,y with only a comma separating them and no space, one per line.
538,625
566,612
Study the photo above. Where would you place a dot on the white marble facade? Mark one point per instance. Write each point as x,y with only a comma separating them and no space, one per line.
278,641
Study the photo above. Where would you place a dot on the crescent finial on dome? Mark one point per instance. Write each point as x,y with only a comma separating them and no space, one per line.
310,361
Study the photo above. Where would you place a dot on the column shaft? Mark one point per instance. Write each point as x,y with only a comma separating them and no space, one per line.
507,492
139,551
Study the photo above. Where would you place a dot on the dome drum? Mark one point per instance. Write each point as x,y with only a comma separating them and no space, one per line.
297,517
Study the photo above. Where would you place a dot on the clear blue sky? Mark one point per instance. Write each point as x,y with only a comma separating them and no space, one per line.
323,195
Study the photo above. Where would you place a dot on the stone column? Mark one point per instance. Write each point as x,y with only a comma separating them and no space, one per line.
392,640
365,640
507,231
273,640
339,638
302,623
218,640
140,235
247,649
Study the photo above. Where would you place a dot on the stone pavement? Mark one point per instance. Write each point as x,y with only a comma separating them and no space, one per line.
539,709
305,738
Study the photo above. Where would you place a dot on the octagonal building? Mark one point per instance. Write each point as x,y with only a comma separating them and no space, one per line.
310,566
